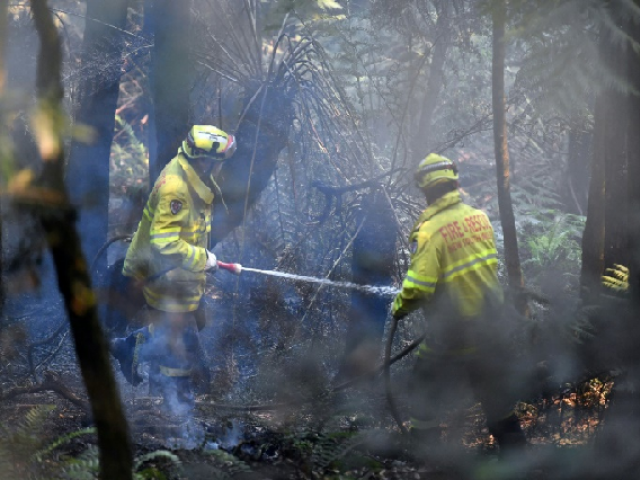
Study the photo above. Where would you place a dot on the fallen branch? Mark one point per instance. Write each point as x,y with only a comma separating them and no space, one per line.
31,348
51,383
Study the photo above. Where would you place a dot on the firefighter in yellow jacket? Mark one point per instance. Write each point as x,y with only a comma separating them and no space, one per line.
453,278
168,256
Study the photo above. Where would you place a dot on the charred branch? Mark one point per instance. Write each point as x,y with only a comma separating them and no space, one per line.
51,383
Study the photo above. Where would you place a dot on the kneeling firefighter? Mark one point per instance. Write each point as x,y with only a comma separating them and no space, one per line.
453,278
168,258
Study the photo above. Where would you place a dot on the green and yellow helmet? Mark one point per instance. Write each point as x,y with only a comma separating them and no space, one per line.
435,169
207,141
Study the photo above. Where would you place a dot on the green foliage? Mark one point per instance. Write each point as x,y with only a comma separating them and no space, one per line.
20,444
563,63
226,465
40,455
330,449
22,453
551,244
87,465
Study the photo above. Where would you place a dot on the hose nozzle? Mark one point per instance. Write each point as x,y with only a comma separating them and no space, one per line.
231,267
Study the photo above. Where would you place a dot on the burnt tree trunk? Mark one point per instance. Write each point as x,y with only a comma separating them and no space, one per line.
88,169
374,251
73,277
593,235
633,178
170,78
615,155
507,219
4,5
577,180
262,134
622,149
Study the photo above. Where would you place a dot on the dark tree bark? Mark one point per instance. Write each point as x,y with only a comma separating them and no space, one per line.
615,155
633,178
4,4
171,67
577,180
618,133
507,219
88,169
73,278
593,235
423,137
262,134
374,251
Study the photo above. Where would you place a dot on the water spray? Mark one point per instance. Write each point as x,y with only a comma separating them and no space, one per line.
373,289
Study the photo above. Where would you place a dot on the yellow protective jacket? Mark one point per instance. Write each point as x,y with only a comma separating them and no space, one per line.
168,251
453,264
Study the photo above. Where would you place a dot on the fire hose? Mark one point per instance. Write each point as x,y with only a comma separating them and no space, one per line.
387,375
236,269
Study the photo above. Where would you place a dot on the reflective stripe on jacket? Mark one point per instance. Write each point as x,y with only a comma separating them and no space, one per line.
452,251
168,251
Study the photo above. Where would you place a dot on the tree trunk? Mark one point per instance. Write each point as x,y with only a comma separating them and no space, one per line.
4,5
633,178
593,235
621,149
88,169
423,137
73,278
171,68
261,136
374,251
577,181
507,219
615,153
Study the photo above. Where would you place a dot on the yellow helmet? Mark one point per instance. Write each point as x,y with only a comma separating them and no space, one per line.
207,141
435,169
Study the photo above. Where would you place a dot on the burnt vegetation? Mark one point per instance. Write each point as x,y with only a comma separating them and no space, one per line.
333,103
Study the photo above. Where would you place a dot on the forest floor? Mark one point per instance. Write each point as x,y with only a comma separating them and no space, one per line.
41,430
45,418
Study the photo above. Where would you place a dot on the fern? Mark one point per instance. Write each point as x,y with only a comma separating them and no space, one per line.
227,465
551,243
330,449
40,454
87,464
19,445
84,467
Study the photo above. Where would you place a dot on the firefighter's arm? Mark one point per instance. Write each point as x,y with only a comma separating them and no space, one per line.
419,284
169,220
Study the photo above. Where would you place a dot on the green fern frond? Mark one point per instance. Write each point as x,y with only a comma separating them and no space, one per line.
329,449
34,418
228,465
39,455
157,455
24,440
84,467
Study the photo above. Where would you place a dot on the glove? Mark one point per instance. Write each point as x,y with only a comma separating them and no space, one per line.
212,262
617,279
396,308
